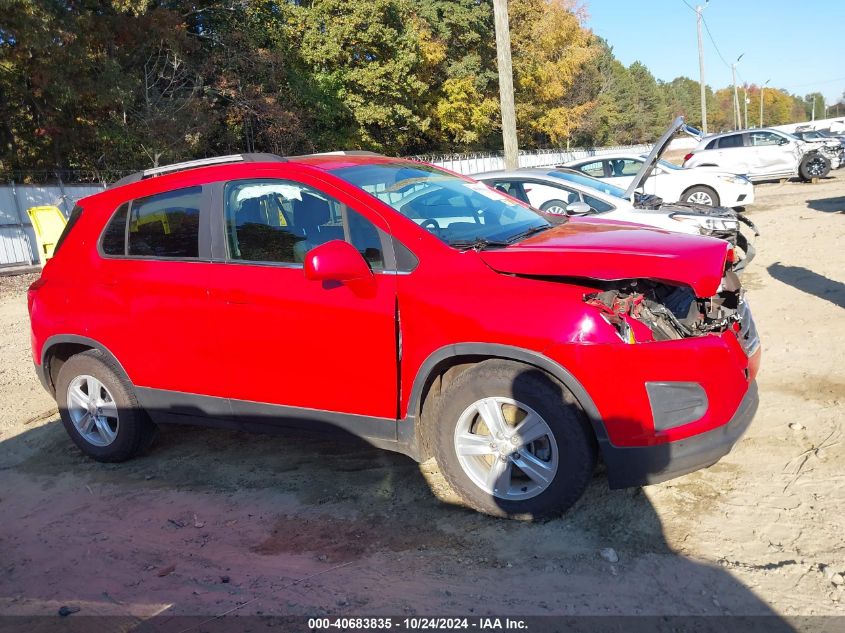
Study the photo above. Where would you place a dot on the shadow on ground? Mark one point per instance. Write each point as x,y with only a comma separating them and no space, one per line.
810,282
351,504
828,205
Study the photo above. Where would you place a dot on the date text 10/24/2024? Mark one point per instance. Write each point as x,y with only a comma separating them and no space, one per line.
417,624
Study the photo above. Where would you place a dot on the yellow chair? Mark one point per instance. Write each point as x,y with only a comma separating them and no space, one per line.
48,223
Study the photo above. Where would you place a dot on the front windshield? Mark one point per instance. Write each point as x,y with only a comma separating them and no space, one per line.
587,181
459,212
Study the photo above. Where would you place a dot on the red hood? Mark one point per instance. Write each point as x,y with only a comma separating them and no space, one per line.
607,250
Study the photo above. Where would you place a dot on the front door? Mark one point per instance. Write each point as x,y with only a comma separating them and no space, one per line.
302,347
773,153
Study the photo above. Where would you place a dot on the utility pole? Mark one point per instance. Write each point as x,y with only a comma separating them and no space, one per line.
745,98
503,58
736,94
701,83
762,91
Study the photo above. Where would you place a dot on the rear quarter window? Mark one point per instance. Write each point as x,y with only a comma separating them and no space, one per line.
734,140
114,237
71,222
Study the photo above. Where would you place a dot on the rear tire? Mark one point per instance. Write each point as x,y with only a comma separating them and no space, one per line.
99,409
701,194
523,471
813,165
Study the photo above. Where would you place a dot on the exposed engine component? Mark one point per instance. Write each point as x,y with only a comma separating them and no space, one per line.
643,310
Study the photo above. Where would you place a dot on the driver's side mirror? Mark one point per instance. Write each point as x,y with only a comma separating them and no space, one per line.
336,261
783,141
578,208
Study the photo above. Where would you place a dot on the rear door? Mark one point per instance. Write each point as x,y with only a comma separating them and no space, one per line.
289,346
155,268
734,154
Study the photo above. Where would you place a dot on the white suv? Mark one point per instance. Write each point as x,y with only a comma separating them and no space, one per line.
764,154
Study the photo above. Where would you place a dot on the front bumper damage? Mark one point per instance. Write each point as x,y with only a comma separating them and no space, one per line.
643,465
691,363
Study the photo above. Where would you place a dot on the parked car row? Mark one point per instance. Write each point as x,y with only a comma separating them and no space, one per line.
421,311
571,190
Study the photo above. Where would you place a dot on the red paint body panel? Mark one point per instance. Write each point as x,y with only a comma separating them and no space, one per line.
265,333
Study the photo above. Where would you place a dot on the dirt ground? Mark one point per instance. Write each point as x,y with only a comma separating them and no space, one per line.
212,520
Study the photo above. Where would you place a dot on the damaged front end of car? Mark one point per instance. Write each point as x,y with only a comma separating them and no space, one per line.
642,310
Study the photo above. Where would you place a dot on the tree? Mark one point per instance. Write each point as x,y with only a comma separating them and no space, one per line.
550,47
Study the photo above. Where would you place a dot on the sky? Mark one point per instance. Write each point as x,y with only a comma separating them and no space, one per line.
800,46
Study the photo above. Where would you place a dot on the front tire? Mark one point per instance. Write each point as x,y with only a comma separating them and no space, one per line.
512,442
99,410
813,165
701,194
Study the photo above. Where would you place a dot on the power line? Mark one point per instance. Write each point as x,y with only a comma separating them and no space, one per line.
713,41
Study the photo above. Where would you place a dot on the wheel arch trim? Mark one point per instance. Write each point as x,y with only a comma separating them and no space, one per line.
507,352
59,339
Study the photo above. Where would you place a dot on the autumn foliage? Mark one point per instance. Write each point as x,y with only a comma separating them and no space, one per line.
122,84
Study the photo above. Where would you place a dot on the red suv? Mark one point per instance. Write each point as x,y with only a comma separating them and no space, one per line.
409,306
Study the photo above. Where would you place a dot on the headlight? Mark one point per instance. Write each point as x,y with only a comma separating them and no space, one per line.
706,223
734,180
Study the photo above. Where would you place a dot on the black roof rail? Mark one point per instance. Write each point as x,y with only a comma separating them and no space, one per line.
347,152
202,162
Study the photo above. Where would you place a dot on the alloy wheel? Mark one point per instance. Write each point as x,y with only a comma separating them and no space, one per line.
815,166
92,410
506,448
701,197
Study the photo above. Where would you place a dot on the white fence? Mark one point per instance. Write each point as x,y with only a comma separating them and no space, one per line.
17,239
470,164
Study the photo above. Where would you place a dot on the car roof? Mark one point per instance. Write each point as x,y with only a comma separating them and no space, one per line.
159,179
513,173
326,160
745,131
609,156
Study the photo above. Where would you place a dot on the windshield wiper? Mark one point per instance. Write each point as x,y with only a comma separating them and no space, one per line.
478,244
531,231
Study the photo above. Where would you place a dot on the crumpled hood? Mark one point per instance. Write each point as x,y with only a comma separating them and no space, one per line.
608,250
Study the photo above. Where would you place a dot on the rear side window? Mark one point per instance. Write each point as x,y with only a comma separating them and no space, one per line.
114,237
73,219
166,225
734,140
594,169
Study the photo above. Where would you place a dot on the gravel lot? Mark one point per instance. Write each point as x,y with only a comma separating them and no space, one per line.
298,525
